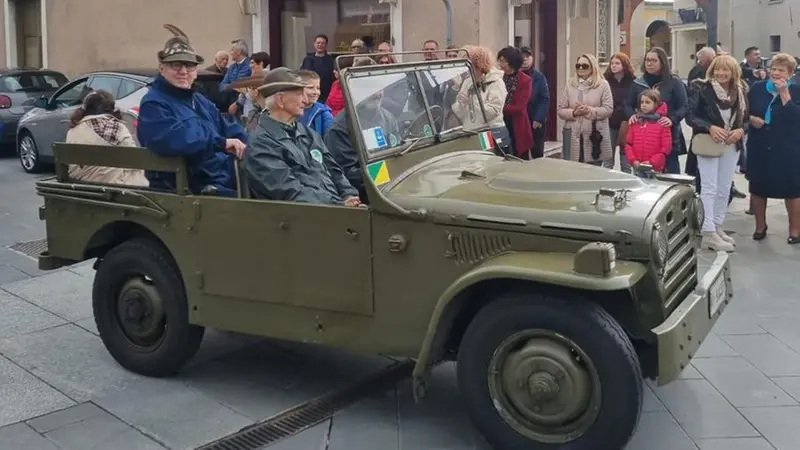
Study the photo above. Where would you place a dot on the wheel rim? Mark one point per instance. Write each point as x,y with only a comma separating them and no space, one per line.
140,313
27,153
544,386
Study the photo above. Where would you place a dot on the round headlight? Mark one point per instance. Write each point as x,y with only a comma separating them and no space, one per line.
660,245
698,213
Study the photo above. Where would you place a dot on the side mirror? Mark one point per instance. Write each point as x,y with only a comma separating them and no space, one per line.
41,102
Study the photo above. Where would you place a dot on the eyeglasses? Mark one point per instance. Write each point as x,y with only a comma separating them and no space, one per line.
177,65
651,60
582,66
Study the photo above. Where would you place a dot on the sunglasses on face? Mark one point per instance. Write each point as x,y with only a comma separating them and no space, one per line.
582,66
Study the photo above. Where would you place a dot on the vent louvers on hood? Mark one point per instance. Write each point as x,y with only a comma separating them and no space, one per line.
471,248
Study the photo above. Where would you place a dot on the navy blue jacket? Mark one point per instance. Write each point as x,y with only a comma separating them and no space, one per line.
180,122
539,104
236,71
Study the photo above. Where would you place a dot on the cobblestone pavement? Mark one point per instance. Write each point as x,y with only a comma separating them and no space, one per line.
59,388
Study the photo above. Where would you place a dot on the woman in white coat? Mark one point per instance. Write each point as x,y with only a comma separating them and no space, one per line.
491,89
586,104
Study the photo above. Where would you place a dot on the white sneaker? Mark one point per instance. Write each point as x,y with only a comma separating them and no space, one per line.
712,241
725,237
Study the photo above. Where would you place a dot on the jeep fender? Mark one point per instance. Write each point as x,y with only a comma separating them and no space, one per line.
555,269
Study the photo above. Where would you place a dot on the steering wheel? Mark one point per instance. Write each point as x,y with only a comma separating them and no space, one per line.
438,120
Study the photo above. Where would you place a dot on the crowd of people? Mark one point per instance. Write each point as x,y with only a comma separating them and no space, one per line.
290,126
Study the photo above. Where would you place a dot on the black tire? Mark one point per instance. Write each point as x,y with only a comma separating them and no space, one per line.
147,263
28,153
592,330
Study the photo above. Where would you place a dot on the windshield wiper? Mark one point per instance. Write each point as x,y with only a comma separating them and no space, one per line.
413,143
457,129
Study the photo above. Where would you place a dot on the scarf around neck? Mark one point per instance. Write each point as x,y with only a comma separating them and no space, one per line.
511,86
727,99
774,91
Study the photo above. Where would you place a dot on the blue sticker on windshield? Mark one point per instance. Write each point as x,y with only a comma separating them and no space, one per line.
380,138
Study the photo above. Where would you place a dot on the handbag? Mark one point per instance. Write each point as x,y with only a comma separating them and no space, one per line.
704,145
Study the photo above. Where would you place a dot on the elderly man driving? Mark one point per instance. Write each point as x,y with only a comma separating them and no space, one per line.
285,159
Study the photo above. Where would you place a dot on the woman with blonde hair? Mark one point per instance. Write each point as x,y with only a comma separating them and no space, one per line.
773,146
586,104
718,115
491,89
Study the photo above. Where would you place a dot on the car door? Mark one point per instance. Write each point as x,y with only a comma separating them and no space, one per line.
49,125
60,122
285,253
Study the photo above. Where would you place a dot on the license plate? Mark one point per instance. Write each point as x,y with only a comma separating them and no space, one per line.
717,295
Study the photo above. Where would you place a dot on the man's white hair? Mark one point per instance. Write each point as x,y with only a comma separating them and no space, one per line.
241,45
706,51
269,102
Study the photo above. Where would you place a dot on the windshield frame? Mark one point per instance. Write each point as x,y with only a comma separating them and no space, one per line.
417,68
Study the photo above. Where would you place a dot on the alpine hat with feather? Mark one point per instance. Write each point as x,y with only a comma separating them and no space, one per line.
178,48
281,79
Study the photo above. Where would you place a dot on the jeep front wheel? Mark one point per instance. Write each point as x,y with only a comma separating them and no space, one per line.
542,373
141,311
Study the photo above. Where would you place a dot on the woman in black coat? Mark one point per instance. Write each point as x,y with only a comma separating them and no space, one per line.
658,75
773,145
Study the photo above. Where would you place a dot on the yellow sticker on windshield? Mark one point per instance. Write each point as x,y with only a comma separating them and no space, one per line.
379,173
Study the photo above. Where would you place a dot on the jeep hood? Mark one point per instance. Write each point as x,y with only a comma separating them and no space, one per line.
541,194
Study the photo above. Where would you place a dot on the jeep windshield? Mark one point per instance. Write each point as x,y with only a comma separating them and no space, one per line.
400,106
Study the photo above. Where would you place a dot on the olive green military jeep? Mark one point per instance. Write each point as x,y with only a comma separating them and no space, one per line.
556,286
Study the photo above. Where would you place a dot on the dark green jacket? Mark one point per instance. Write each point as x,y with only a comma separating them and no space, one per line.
292,164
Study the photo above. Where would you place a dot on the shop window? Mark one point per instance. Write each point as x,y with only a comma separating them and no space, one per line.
359,19
523,17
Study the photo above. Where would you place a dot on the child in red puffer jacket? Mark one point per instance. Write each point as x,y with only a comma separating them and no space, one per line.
647,141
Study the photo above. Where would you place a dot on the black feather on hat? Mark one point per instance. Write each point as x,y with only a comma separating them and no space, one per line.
178,48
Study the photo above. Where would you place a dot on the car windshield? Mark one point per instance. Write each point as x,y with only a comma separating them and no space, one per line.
390,104
32,82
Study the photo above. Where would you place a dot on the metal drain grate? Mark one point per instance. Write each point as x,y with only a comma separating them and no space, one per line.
307,415
31,248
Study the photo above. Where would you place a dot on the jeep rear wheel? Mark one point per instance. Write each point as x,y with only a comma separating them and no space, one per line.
540,373
141,311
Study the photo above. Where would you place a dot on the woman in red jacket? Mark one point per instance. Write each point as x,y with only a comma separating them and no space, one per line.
515,112
647,141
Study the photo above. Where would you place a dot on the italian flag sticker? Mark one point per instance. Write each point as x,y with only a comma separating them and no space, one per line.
487,140
379,173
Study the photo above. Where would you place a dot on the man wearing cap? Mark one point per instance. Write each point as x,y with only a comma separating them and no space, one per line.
287,161
539,104
176,121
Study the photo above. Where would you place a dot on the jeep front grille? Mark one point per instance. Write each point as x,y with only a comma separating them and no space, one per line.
680,272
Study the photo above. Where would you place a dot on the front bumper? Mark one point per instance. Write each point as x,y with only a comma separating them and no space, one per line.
686,328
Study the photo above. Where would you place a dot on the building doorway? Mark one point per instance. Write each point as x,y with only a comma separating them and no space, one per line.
24,37
294,23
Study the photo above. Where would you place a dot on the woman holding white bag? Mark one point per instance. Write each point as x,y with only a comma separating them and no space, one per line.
718,114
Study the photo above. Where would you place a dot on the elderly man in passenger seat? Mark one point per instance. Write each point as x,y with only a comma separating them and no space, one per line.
286,160
176,121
